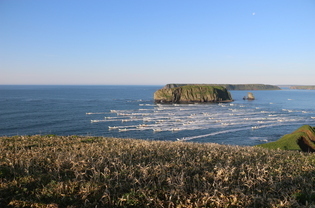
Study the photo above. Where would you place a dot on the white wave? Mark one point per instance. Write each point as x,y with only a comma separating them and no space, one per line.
212,134
97,121
228,131
261,139
225,124
200,117
123,129
176,129
131,119
157,130
93,113
105,120
113,118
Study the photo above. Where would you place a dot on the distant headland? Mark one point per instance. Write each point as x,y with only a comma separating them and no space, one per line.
303,87
231,86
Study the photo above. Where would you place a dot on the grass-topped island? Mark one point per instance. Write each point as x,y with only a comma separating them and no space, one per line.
75,171
193,94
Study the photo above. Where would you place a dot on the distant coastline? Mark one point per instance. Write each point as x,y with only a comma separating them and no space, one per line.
232,86
303,87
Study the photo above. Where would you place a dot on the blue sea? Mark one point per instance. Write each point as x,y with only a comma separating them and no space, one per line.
130,112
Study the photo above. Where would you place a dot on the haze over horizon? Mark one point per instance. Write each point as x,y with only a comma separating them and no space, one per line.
157,42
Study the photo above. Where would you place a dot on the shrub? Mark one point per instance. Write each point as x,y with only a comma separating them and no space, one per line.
74,171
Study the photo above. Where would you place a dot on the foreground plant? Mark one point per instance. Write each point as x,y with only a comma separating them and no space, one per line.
53,171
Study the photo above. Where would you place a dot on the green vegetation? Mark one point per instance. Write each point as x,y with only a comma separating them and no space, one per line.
73,171
231,86
311,87
192,93
302,139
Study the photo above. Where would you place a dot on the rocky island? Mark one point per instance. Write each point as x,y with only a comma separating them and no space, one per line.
193,94
232,86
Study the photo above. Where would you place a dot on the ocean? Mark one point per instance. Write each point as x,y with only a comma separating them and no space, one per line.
130,112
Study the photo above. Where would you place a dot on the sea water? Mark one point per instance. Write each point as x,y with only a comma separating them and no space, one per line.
130,112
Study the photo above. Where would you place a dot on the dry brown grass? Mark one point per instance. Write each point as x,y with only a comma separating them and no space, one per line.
53,171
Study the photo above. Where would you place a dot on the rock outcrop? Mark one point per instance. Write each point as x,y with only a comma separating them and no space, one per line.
302,139
193,94
232,86
250,96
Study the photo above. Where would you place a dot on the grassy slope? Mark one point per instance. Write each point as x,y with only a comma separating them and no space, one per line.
289,141
53,171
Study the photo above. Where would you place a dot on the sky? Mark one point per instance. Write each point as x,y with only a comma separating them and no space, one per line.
156,42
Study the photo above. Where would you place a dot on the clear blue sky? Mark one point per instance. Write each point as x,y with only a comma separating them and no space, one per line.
157,41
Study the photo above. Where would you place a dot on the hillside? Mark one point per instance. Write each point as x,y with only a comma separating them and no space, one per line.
232,86
301,139
72,171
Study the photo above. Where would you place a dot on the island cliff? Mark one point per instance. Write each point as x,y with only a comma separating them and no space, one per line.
232,86
193,94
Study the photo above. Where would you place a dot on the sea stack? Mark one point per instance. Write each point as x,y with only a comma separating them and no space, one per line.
250,96
193,94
